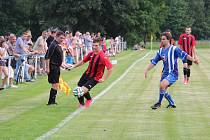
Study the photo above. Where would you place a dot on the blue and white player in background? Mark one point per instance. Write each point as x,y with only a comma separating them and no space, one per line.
169,55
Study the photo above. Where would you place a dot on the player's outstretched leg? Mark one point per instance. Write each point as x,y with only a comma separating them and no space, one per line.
88,99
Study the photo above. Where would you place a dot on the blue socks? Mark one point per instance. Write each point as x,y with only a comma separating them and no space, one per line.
169,98
162,93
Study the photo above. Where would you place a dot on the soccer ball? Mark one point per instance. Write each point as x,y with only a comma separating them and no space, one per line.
78,91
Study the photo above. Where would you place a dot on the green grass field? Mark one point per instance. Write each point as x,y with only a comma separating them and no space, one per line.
122,113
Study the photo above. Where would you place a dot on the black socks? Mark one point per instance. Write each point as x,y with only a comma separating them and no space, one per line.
186,72
52,97
87,97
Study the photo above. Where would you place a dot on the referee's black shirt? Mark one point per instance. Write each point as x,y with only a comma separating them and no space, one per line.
55,54
49,41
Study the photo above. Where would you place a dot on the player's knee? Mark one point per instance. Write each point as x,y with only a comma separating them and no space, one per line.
185,65
55,86
163,85
85,89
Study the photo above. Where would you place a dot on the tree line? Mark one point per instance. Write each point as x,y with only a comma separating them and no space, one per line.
135,20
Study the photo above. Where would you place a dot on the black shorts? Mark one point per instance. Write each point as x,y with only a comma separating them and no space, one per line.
187,61
87,82
54,74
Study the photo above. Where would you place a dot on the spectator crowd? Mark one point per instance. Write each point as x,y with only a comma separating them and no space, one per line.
22,60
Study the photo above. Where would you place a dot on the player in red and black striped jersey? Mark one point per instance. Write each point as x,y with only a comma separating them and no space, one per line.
187,43
94,73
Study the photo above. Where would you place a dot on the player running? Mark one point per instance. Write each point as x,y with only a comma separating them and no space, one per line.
187,43
169,55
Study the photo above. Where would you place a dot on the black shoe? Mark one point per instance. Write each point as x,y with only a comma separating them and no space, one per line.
29,80
171,106
1,88
156,106
54,103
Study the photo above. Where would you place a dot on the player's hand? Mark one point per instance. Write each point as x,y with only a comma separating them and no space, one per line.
70,67
197,61
145,73
101,80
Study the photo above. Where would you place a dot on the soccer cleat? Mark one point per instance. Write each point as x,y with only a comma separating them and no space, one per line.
185,81
30,81
88,103
188,81
81,106
1,88
53,103
171,106
156,106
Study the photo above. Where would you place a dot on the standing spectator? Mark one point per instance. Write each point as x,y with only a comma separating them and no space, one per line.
28,42
11,52
22,50
3,68
11,46
6,36
187,43
98,35
69,38
40,47
88,42
78,47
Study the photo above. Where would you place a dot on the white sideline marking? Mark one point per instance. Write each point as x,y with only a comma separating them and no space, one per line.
76,112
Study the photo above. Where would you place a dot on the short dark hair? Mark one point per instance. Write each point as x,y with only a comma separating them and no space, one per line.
59,33
167,35
7,34
97,40
168,30
2,40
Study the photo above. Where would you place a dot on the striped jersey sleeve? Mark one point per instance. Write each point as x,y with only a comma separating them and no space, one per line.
157,58
181,54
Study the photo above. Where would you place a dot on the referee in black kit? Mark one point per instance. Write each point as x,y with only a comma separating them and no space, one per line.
54,59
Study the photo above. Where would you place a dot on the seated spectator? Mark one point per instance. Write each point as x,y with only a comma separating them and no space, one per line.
3,68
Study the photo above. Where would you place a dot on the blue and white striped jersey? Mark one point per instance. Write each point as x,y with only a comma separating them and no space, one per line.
169,57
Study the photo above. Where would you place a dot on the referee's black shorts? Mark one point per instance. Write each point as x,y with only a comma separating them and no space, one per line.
87,82
54,74
187,61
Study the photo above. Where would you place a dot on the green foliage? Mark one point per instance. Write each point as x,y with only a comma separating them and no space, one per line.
128,18
132,38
